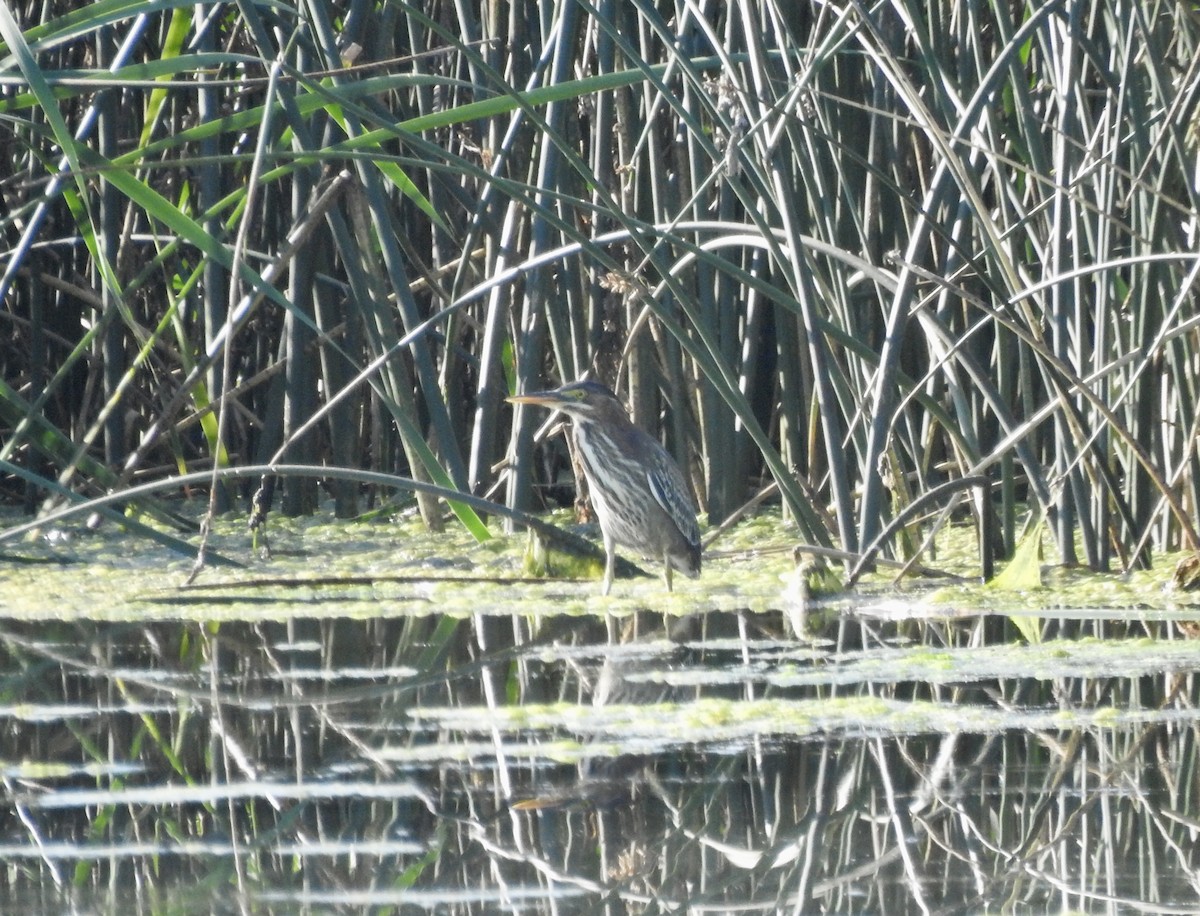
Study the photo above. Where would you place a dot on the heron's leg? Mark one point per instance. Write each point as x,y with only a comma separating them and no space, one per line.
667,569
610,563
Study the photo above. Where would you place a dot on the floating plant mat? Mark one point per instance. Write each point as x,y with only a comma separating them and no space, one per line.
332,567
384,566
726,726
535,730
777,666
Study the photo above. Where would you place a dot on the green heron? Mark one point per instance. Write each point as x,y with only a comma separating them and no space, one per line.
638,490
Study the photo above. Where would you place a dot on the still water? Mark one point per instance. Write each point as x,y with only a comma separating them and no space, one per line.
353,727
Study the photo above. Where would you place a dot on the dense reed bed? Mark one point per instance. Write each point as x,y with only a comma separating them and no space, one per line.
854,252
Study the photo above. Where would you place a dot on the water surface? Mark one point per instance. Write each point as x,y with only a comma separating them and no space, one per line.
367,721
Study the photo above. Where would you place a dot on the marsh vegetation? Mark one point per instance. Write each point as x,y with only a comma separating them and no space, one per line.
883,271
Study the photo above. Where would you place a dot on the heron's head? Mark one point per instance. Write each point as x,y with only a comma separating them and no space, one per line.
582,400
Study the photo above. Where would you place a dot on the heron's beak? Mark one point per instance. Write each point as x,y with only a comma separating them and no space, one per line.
541,398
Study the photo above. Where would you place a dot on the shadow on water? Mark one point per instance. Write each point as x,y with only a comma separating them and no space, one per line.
539,761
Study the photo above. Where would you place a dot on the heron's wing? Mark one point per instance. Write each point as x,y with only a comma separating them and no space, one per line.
670,492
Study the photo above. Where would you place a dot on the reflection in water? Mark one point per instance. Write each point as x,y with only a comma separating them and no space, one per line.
465,766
